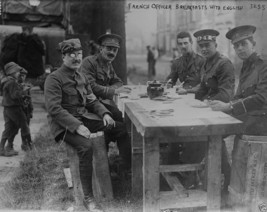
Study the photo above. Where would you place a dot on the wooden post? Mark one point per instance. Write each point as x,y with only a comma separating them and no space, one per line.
214,173
101,182
75,174
102,186
151,196
137,164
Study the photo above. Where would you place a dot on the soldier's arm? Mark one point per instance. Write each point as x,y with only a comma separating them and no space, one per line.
254,96
90,71
226,82
115,82
93,104
174,72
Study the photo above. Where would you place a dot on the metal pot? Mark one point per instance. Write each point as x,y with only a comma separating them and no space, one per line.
154,89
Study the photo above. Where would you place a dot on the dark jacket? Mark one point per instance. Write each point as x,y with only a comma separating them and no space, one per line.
250,101
30,55
103,82
12,92
217,79
187,69
69,98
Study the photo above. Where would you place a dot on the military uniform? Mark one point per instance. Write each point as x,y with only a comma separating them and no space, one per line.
14,115
217,79
70,103
187,69
27,108
102,76
249,105
217,83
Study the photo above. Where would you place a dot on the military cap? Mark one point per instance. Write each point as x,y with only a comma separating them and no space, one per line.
206,35
240,33
23,71
11,68
109,40
69,46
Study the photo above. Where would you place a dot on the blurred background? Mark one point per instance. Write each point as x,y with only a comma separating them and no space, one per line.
139,22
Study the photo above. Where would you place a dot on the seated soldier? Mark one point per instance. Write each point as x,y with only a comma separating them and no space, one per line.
103,79
74,113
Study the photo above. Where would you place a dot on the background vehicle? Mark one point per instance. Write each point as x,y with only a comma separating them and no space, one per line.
50,20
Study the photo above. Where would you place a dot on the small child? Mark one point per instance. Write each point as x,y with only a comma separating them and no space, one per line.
14,116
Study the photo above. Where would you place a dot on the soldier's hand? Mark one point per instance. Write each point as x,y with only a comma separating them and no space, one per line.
182,91
219,105
83,131
108,121
122,90
169,85
26,88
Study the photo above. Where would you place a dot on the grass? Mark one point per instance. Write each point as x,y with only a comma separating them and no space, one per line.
40,183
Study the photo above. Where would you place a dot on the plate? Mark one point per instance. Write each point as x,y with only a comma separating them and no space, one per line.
176,96
199,105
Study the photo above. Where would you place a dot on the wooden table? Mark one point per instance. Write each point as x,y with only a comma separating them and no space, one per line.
184,124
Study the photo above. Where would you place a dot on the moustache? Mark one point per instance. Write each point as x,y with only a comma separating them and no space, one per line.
76,61
111,55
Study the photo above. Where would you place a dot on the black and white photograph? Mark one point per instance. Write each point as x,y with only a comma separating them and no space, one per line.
133,105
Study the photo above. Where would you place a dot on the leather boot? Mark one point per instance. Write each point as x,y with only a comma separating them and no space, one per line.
3,152
2,147
26,143
10,149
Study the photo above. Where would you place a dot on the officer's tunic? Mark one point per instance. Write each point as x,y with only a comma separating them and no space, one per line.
187,69
217,79
68,101
249,105
103,79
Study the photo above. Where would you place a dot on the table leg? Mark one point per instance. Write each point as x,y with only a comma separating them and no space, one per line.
137,163
151,194
214,173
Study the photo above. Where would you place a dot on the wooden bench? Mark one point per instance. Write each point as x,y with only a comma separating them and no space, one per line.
102,187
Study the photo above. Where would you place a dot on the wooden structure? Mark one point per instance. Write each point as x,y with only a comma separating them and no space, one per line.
102,186
254,176
152,125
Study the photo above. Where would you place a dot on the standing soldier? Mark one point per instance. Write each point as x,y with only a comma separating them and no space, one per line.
187,67
15,117
99,71
150,61
249,103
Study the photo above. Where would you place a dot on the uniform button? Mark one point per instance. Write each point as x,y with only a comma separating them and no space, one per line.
206,83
